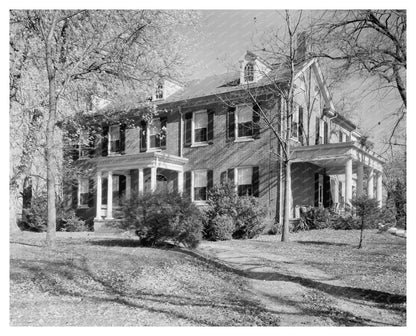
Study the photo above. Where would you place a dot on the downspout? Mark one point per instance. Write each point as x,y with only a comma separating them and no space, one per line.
180,131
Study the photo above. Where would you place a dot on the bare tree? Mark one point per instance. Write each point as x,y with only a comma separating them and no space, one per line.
74,50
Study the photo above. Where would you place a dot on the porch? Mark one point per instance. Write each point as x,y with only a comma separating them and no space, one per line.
119,177
330,175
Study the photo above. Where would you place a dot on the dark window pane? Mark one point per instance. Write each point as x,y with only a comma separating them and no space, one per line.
200,194
245,129
155,141
115,146
84,199
245,190
200,135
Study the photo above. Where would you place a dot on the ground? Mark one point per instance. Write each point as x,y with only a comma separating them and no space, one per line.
318,278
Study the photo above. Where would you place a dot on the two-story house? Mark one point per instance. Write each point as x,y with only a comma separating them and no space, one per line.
215,130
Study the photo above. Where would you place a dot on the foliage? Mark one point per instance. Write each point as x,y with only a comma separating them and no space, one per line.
367,209
70,222
247,214
313,218
161,216
221,227
346,222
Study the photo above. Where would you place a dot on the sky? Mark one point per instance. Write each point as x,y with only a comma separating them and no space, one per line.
225,35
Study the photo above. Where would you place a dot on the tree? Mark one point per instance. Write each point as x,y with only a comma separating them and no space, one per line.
368,211
77,53
371,43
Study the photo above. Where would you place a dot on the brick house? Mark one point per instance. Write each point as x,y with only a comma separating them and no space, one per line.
211,131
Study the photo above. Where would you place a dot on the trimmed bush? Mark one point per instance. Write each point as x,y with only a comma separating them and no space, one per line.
221,227
313,219
163,216
246,213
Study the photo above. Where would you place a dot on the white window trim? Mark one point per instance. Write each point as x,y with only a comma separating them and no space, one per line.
148,148
79,205
109,151
193,142
163,92
236,176
254,73
237,137
193,184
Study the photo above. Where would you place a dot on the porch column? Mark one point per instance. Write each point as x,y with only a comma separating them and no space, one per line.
153,179
336,191
99,196
180,182
128,186
110,195
348,181
360,176
140,182
370,183
379,181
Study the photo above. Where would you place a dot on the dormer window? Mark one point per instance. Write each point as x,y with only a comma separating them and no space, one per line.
159,91
249,72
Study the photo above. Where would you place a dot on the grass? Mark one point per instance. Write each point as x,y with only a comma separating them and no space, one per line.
90,281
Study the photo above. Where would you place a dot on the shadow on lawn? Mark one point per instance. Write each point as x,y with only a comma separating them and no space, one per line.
338,291
311,242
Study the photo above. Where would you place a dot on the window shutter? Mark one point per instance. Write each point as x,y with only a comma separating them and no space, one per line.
210,179
104,142
91,144
75,152
163,132
231,124
210,136
74,194
317,121
143,136
256,181
231,175
121,186
316,189
327,192
123,138
256,121
326,133
301,124
91,193
188,183
188,129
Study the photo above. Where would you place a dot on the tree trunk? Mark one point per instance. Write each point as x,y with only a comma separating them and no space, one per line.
286,213
361,234
50,139
14,209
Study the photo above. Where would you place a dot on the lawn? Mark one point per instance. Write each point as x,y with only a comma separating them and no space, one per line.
91,281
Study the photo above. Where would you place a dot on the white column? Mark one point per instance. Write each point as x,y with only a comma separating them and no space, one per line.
370,183
79,192
336,191
153,179
99,196
128,186
110,195
360,177
180,182
379,187
348,181
140,181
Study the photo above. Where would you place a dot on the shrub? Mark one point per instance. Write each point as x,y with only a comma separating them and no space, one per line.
246,213
221,227
312,219
347,222
161,216
70,222
250,218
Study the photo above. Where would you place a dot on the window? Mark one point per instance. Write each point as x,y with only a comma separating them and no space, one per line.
154,133
83,192
159,91
200,129
200,185
245,181
249,72
295,125
342,136
244,121
114,139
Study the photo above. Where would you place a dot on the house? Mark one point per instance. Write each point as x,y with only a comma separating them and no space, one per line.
214,130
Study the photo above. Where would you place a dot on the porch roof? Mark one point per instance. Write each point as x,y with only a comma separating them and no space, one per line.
142,160
334,156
